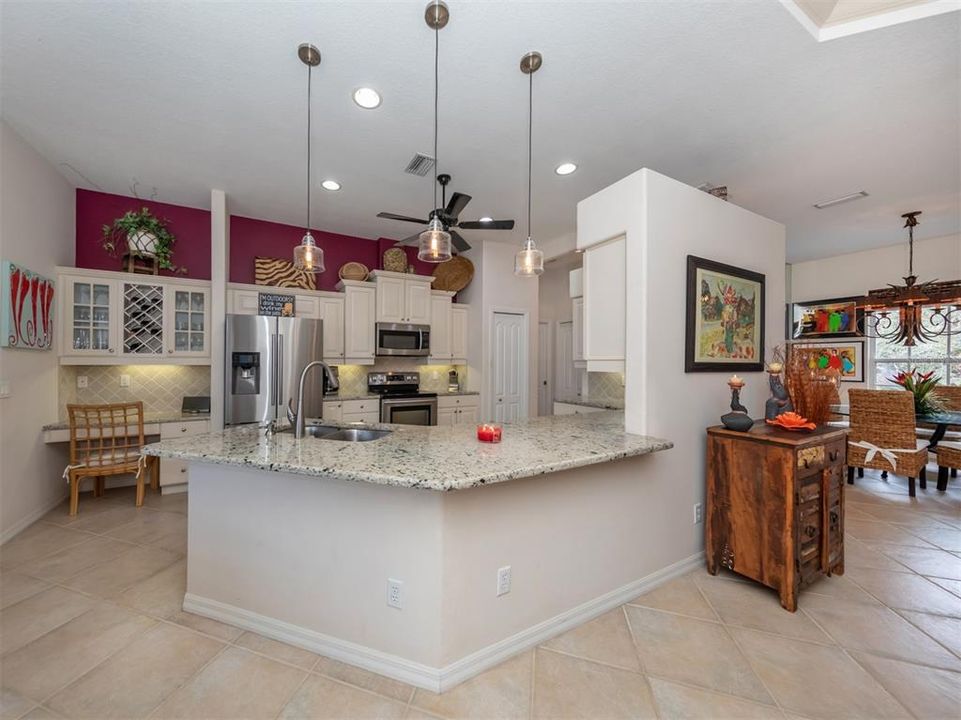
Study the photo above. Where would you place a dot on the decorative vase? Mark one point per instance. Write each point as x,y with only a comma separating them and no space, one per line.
142,243
737,419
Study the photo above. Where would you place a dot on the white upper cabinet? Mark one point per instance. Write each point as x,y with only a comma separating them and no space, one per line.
88,308
578,330
458,333
332,312
360,311
440,326
188,321
402,298
604,306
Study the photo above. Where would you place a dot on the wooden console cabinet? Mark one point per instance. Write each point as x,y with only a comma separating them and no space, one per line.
775,505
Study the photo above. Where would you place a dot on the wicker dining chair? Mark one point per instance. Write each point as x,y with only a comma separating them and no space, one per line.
884,419
106,440
950,396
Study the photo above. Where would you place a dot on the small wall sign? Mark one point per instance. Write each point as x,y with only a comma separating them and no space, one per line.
275,304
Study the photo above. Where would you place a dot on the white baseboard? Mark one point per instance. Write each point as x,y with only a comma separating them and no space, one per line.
26,522
173,489
425,676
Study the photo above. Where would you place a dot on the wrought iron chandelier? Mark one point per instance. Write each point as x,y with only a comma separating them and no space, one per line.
897,314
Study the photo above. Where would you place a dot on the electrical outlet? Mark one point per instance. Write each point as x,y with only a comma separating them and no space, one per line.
504,580
395,593
698,513
124,381
81,382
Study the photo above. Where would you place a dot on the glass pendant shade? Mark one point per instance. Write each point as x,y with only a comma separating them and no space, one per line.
307,256
434,243
529,261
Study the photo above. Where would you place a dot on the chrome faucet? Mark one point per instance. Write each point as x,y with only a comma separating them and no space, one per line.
298,419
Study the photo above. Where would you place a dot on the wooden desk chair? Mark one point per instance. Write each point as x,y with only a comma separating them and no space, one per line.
106,440
883,420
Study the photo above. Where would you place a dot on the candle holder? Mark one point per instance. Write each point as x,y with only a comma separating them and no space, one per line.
737,419
489,433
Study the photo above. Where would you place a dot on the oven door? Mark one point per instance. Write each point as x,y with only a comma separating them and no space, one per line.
403,339
409,411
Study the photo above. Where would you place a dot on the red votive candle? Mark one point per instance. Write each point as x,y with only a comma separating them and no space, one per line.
485,433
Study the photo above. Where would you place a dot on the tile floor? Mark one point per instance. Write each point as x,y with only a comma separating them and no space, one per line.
92,628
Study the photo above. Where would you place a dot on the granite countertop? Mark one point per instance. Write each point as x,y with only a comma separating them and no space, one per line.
432,458
148,418
587,402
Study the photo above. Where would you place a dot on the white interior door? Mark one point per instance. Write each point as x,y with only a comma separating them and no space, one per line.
545,368
565,375
509,367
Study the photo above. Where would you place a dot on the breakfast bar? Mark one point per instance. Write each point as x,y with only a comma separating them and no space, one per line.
422,554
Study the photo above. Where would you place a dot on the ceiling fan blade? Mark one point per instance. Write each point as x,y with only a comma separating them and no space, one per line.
408,240
458,201
458,241
404,218
487,225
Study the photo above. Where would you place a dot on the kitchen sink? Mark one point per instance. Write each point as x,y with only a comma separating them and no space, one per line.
356,435
315,431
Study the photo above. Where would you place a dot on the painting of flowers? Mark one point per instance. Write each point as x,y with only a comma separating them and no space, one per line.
725,317
26,308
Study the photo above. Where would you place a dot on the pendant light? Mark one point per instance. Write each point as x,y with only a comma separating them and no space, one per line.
307,256
529,261
433,245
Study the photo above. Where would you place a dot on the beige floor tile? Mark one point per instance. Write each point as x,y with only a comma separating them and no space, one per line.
953,586
926,692
167,530
28,619
938,563
816,681
568,687
219,630
692,651
66,563
679,595
36,541
364,679
15,587
857,512
134,566
945,630
64,654
418,714
321,698
42,713
840,587
236,684
755,606
13,705
606,639
503,692
160,595
876,531
878,630
901,513
907,591
681,702
945,538
138,678
857,554
289,654
176,502
89,505
102,522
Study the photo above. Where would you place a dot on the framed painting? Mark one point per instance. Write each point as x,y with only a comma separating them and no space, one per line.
845,356
26,308
725,317
818,319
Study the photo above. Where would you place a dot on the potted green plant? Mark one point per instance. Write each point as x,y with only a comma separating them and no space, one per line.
143,235
921,385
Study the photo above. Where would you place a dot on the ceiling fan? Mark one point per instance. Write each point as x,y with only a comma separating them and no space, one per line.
449,216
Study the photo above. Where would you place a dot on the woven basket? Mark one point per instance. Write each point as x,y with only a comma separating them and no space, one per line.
453,275
353,271
395,260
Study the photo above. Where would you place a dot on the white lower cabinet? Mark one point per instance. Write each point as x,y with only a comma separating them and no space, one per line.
457,410
572,409
365,411
174,472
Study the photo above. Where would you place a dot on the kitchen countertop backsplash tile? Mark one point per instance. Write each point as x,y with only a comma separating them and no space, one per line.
160,387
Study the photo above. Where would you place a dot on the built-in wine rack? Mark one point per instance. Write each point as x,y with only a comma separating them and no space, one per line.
143,324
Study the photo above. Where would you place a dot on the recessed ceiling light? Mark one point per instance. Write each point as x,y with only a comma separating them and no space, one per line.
565,168
330,185
843,199
367,98
486,219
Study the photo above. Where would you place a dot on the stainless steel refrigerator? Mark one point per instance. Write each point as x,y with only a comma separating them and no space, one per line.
265,356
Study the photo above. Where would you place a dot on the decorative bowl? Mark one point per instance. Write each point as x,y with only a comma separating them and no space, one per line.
792,421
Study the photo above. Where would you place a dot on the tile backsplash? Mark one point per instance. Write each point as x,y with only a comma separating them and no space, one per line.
605,386
160,387
433,378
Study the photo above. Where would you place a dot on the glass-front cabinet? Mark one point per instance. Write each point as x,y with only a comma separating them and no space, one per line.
89,318
188,324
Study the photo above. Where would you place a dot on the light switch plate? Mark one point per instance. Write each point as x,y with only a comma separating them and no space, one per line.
124,381
81,382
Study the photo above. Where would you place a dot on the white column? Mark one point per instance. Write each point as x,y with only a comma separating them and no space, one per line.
219,269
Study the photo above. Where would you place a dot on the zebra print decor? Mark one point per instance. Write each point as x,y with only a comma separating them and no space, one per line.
282,273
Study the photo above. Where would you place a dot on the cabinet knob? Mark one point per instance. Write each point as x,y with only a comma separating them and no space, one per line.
183,470
833,455
183,429
170,351
810,531
109,349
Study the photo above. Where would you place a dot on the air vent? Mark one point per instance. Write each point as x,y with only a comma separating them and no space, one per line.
420,164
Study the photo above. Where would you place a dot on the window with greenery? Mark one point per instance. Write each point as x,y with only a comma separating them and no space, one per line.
942,355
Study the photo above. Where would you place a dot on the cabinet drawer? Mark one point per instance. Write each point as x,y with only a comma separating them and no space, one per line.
367,416
351,407
457,401
170,430
172,472
817,457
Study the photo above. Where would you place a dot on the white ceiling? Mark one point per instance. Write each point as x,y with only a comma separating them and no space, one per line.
187,96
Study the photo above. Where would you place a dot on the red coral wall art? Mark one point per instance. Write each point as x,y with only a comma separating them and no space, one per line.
26,308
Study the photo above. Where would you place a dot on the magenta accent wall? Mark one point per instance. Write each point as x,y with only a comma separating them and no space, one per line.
249,238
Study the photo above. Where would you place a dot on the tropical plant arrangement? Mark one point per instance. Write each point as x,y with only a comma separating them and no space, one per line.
142,234
921,386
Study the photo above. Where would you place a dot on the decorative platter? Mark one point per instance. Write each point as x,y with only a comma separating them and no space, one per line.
353,271
453,275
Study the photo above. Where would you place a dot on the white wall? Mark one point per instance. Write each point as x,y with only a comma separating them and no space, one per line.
554,299
664,222
37,226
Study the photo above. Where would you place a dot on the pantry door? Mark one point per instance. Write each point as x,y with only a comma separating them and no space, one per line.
509,366
545,370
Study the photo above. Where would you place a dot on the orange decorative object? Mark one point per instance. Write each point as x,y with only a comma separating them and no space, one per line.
792,421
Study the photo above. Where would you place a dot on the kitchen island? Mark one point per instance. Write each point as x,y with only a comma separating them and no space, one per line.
316,542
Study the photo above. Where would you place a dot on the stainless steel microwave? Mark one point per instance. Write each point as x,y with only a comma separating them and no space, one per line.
403,339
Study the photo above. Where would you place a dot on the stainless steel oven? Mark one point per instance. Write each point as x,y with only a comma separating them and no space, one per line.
403,339
418,410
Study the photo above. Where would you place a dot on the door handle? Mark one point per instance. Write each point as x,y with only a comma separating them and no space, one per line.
280,369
